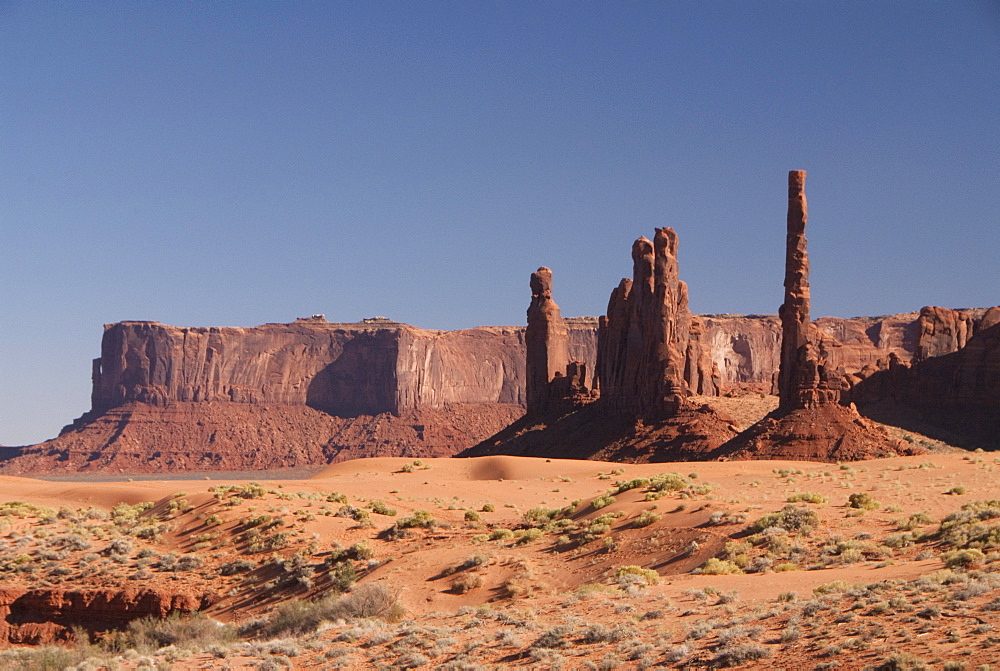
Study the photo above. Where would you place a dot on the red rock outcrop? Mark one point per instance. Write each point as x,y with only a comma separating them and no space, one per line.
953,395
650,356
283,395
645,347
546,342
810,423
33,617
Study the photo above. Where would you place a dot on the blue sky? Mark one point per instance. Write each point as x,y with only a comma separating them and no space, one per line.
239,163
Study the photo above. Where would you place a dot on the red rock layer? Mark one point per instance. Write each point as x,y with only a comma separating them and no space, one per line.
33,617
953,395
219,436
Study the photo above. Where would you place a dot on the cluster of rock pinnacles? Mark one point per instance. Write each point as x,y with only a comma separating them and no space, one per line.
650,361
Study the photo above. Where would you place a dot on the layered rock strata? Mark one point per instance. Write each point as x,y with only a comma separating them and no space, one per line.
951,388
45,616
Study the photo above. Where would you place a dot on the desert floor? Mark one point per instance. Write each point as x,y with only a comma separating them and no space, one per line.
508,562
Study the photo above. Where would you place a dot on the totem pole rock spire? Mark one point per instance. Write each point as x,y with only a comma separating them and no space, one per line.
803,377
794,312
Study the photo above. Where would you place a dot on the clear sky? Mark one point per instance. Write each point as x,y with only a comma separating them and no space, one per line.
235,163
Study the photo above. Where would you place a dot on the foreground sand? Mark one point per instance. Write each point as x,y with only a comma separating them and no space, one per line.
548,591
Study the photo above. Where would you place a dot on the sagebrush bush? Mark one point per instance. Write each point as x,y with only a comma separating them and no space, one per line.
862,501
715,566
790,518
808,497
602,501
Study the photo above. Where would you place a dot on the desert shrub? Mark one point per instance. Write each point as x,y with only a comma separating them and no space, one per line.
359,515
602,501
191,631
963,558
465,582
556,637
360,550
188,562
487,508
419,518
469,563
914,520
790,518
268,543
119,546
862,501
902,661
523,536
123,513
808,497
649,576
645,518
237,566
343,576
976,525
959,490
601,633
471,516
298,617
501,534
735,654
632,484
251,490
668,482
539,516
715,566
382,508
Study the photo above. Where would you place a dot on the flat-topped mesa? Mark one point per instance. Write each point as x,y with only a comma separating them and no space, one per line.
546,341
803,379
646,352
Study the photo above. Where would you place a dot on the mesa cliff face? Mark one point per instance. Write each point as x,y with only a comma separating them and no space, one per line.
341,369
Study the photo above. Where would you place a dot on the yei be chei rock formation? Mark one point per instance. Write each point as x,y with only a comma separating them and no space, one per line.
649,358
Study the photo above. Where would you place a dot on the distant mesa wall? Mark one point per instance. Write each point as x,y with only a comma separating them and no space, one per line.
353,369
342,369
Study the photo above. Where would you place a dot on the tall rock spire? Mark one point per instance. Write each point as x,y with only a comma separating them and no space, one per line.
547,341
794,312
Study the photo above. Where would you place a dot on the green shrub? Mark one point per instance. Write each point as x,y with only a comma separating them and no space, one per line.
808,497
790,518
962,558
602,501
632,484
976,525
715,566
645,518
381,508
648,575
419,518
501,534
862,501
471,516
